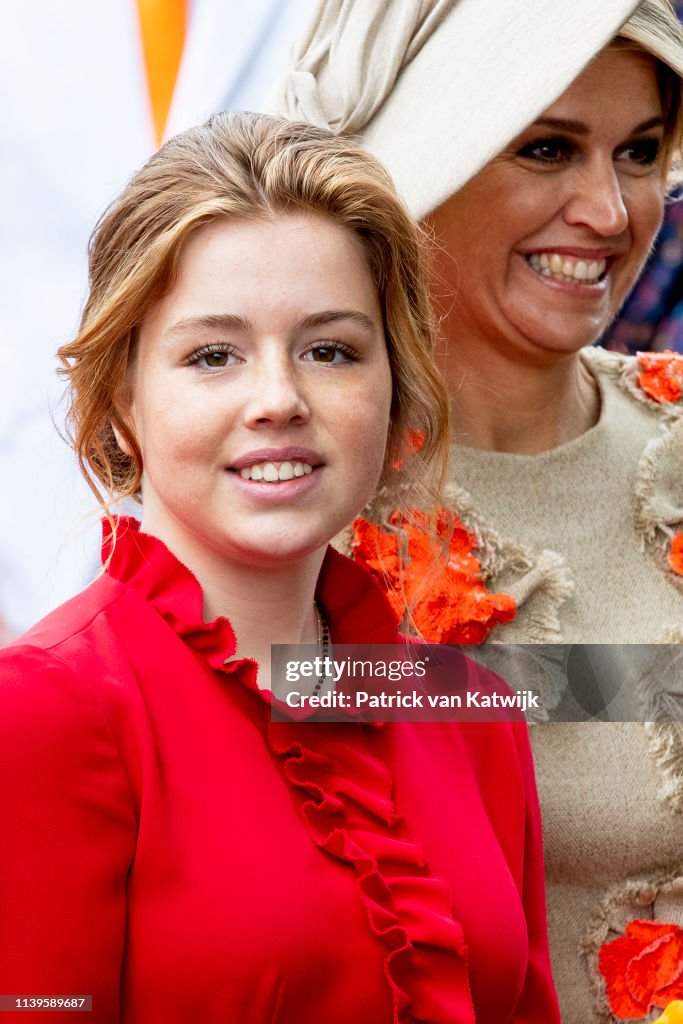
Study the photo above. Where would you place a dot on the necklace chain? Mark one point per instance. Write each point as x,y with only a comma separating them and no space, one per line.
324,644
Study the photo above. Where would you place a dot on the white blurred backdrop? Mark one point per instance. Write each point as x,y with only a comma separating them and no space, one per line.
79,101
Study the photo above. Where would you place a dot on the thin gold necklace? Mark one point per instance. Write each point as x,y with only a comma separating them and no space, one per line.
324,644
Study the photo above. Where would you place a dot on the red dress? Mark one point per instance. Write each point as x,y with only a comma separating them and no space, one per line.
169,850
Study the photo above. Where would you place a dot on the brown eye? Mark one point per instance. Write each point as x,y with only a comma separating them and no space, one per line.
644,152
213,357
216,358
324,354
331,354
555,150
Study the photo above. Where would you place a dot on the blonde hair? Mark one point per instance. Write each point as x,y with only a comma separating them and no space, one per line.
654,28
250,165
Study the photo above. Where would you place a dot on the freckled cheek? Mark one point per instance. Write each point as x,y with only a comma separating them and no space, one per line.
170,433
362,424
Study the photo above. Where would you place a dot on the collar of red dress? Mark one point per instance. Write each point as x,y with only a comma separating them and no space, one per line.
356,607
346,790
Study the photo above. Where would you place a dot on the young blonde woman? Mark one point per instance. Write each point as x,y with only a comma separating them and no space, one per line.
539,141
254,351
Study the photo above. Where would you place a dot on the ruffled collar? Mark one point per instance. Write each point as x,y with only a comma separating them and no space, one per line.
357,609
344,787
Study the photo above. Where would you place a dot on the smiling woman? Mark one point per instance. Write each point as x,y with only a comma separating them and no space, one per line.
539,141
255,353
543,275
260,396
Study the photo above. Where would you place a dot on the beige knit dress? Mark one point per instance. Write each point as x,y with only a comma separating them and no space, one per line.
580,536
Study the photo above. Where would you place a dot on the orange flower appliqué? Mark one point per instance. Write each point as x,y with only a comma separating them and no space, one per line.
412,443
676,553
662,376
457,609
643,968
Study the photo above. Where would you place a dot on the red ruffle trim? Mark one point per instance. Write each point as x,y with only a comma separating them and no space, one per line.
146,564
345,795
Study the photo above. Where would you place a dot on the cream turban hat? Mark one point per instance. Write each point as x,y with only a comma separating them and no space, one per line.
436,88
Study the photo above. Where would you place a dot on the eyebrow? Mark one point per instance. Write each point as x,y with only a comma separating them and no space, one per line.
330,316
579,128
232,322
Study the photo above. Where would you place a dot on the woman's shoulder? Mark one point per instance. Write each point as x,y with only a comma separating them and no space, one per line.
74,638
40,692
53,721
51,677
652,379
63,713
70,619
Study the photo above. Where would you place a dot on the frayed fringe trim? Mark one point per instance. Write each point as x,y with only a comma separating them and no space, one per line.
540,581
624,371
659,689
656,520
608,921
671,635
666,746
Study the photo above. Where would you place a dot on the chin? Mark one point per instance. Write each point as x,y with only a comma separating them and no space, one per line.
276,551
565,337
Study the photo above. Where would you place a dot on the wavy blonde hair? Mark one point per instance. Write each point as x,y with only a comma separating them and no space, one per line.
654,28
250,165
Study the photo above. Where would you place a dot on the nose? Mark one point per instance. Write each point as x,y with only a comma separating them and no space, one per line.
275,394
597,200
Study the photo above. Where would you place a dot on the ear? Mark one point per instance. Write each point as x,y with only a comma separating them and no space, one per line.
120,440
123,422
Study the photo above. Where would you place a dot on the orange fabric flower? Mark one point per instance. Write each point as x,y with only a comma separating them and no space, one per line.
412,443
662,376
457,609
676,553
643,968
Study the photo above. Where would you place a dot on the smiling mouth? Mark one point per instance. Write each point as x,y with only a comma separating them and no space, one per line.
567,268
275,472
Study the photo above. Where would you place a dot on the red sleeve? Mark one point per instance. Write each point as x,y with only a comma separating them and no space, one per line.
537,1002
67,838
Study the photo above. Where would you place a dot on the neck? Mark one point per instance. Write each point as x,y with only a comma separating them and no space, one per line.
519,407
265,606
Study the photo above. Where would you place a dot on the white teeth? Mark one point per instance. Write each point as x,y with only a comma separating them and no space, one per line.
567,268
272,472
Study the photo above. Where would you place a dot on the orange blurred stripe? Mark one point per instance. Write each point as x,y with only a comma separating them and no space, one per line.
163,24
